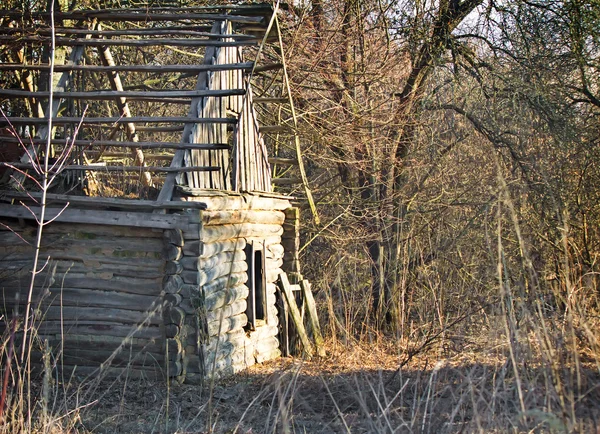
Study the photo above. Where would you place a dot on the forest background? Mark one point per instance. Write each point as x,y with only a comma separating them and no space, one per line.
452,148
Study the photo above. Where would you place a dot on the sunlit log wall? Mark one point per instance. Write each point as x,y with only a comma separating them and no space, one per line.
215,337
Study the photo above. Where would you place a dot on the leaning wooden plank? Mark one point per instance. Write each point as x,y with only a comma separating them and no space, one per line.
313,318
246,66
117,218
131,94
285,286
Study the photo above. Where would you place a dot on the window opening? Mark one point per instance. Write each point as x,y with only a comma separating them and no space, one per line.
256,310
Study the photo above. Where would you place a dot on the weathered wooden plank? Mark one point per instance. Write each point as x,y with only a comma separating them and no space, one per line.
286,289
118,218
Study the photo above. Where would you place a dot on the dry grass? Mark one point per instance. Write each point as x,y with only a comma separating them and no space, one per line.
356,389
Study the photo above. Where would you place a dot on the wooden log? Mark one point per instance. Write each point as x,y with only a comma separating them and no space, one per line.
117,218
227,324
313,317
171,330
92,357
212,249
224,282
269,355
74,297
107,372
119,284
109,316
173,267
174,315
73,329
231,202
210,218
174,236
205,276
172,253
172,283
211,234
193,248
286,289
275,251
172,299
198,264
227,311
228,296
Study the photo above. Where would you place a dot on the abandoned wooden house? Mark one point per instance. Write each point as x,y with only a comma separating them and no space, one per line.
165,230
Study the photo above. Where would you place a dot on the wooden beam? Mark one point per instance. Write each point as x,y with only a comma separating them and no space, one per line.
247,66
99,168
109,94
119,144
119,15
101,201
118,120
98,217
152,31
149,42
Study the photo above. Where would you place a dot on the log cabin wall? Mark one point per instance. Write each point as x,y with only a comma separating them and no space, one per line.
99,298
234,263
